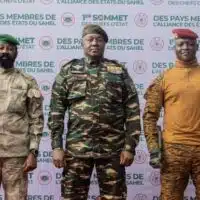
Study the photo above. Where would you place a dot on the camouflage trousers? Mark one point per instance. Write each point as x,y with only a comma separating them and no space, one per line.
77,173
13,179
179,162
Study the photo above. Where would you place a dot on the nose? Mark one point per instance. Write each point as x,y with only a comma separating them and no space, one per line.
94,41
185,46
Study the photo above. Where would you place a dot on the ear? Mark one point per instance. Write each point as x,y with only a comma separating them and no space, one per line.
82,42
197,47
16,53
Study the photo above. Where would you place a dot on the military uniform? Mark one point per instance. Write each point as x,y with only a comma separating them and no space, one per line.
177,90
104,119
21,125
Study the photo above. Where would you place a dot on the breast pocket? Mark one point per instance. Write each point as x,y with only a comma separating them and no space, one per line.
77,89
114,89
17,100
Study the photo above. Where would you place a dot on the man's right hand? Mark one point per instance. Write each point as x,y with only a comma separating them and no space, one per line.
155,159
58,158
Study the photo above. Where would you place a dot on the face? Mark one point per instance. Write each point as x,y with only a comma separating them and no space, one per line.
186,49
8,54
93,45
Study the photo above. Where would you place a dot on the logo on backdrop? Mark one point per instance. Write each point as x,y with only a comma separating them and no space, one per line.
157,44
139,67
46,1
44,177
140,197
157,2
155,178
141,19
45,136
140,157
45,87
67,19
46,42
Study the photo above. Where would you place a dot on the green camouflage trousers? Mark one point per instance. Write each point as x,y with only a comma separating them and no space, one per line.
13,179
76,178
179,162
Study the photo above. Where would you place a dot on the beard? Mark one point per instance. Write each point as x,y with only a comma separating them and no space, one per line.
6,61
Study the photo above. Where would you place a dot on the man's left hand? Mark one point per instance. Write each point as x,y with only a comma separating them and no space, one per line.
30,163
126,158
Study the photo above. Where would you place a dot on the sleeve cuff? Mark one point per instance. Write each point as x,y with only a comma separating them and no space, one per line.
34,145
129,148
57,144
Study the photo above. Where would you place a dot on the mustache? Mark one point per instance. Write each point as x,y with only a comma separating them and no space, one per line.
5,56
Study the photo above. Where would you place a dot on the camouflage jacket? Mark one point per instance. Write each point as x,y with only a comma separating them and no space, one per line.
103,109
21,116
154,104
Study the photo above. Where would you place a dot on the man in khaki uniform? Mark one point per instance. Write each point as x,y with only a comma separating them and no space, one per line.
21,122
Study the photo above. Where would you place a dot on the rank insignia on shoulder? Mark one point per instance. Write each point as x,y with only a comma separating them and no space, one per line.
114,69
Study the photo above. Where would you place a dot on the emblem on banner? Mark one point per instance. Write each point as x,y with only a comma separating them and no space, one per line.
157,2
44,177
141,19
140,157
45,136
67,19
46,42
157,44
155,178
45,87
139,67
46,1
140,197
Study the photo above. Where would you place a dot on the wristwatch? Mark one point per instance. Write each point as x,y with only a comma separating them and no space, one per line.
34,152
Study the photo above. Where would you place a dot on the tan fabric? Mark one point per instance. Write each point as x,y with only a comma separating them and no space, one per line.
178,91
178,163
21,117
13,179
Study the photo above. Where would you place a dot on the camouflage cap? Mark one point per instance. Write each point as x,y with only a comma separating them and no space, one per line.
94,29
5,38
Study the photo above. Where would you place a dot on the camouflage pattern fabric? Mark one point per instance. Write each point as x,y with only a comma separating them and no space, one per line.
154,103
13,179
21,114
77,173
179,161
101,100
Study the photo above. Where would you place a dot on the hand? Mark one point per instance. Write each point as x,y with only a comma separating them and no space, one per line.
30,163
126,158
58,158
155,159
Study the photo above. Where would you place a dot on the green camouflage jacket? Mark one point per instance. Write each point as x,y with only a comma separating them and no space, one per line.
103,109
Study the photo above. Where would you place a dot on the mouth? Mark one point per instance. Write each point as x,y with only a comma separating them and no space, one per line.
4,58
185,53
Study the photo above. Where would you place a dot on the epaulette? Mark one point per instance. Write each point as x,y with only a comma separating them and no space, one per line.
27,76
116,62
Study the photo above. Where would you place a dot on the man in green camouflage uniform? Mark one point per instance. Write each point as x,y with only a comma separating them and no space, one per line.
21,122
104,121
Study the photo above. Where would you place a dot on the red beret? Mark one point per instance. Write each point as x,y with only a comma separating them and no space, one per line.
184,33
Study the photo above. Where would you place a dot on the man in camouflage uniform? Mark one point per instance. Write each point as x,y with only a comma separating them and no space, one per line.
21,122
178,91
104,120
